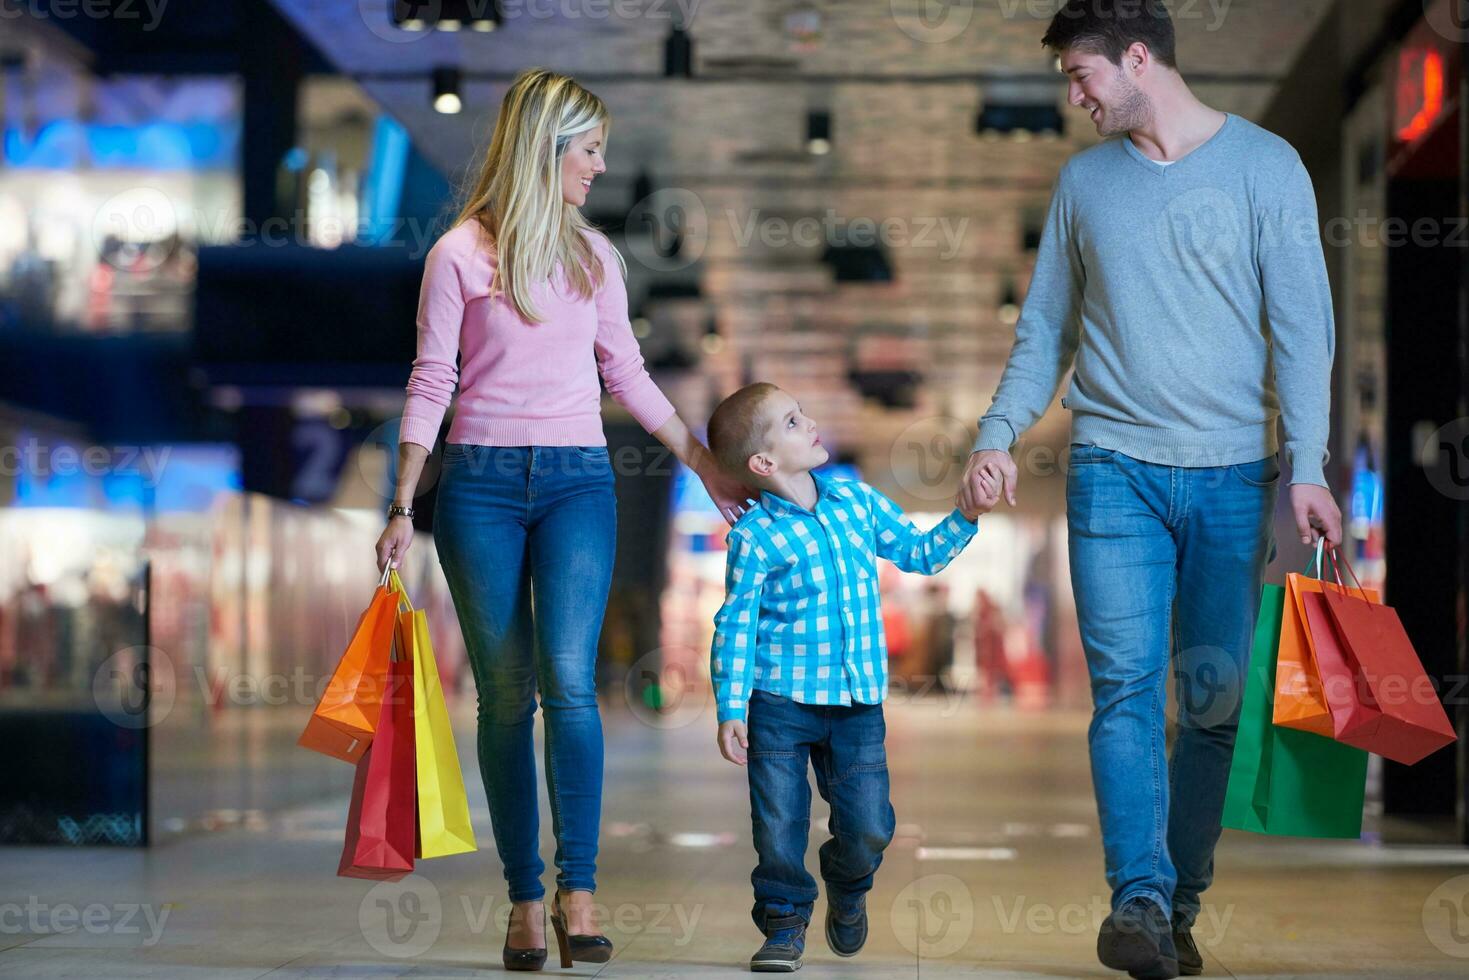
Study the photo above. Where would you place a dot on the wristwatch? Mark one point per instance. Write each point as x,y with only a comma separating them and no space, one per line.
398,510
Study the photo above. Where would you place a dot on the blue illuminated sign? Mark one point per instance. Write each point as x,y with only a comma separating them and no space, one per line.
66,144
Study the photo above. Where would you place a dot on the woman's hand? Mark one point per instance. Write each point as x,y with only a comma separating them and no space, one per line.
394,543
730,495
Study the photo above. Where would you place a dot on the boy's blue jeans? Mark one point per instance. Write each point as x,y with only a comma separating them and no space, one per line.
844,744
1166,563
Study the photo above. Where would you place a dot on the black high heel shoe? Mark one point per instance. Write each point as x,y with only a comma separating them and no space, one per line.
579,948
523,960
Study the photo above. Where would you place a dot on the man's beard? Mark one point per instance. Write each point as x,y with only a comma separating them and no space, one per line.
1133,110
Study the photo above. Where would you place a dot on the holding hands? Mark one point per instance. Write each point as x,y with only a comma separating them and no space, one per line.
988,474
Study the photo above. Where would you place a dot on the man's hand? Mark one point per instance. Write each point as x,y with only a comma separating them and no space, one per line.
989,471
972,505
733,742
1317,514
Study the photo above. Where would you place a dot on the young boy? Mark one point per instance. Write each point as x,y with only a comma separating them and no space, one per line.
799,644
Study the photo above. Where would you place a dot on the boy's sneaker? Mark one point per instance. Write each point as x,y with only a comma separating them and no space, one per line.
1190,960
846,932
785,941
1138,938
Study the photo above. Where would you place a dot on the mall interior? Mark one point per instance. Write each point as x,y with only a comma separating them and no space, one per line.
214,219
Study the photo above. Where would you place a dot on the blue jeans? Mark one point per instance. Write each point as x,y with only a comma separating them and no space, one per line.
844,744
509,523
1166,562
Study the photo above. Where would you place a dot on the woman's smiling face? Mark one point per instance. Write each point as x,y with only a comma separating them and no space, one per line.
580,165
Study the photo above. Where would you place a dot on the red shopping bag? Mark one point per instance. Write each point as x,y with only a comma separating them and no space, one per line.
382,823
1351,704
345,717
1390,707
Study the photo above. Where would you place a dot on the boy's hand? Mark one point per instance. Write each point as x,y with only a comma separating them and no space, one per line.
979,497
996,464
733,742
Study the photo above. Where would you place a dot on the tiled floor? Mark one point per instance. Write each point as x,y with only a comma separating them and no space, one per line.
996,873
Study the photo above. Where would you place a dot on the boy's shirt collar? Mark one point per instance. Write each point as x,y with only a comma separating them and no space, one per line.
778,506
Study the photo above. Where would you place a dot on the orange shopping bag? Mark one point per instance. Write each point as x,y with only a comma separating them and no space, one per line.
345,718
1300,700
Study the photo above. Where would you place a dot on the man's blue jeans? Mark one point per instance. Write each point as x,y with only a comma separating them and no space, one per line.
1166,563
844,744
511,522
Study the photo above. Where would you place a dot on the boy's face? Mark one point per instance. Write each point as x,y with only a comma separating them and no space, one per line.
791,442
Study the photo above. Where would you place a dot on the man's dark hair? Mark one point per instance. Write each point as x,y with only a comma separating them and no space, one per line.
1110,27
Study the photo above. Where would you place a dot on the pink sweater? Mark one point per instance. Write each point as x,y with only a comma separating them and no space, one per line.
521,383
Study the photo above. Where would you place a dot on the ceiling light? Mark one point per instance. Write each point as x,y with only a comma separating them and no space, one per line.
1019,120
447,15
1009,311
818,132
446,91
678,54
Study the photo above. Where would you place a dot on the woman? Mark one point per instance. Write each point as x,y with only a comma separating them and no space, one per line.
533,300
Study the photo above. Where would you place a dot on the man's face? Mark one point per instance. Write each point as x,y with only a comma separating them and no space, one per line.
1106,91
791,442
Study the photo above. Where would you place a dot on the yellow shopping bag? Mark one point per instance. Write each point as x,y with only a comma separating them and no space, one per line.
443,807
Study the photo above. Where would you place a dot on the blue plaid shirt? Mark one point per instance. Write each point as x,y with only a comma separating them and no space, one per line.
801,615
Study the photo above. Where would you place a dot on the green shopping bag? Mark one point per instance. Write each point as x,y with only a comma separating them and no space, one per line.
1283,781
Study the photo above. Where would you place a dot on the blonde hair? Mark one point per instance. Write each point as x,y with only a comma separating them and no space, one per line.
738,428
517,196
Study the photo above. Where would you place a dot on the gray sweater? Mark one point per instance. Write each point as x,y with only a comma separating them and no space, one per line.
1193,300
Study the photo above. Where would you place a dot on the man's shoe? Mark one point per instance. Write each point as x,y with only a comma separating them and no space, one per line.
846,932
785,941
1190,960
1138,938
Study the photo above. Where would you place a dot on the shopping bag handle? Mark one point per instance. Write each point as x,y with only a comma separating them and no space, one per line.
396,585
382,581
1338,560
1315,562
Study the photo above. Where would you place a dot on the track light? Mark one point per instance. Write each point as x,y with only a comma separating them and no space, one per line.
1019,121
447,15
446,91
678,54
1009,311
712,342
818,132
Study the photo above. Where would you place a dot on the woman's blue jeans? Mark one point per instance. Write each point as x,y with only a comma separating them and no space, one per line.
1166,563
526,536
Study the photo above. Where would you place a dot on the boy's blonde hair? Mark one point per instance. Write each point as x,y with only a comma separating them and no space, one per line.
737,429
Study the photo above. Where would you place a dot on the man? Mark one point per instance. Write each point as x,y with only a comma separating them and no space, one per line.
1181,270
